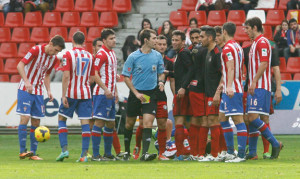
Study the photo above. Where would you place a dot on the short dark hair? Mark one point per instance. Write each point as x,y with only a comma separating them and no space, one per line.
58,40
106,32
193,19
292,20
218,29
179,33
146,33
195,30
79,37
162,37
209,31
96,40
255,21
230,28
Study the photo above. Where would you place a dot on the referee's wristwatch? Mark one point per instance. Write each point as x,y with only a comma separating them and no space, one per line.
160,82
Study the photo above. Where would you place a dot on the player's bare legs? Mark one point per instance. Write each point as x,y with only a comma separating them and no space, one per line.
63,138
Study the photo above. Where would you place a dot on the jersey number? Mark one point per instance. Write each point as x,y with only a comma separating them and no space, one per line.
253,102
81,66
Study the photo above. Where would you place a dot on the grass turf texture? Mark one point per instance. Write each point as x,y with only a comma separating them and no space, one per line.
287,166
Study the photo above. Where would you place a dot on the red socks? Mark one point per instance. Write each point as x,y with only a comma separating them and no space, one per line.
193,136
266,143
139,136
116,142
162,140
202,139
179,138
222,144
215,136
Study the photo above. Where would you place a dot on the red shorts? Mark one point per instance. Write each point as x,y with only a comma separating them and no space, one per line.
197,101
211,109
245,101
181,107
162,109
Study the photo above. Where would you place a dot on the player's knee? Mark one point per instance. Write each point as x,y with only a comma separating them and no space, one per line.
24,120
162,123
35,122
110,124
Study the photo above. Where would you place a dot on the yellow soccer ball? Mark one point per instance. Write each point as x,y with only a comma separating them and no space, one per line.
42,134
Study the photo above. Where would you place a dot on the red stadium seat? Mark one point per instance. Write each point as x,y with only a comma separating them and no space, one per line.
275,17
297,76
11,65
289,16
108,19
62,31
246,44
268,32
89,19
83,5
15,78
94,32
216,18
103,5
182,28
5,34
14,19
39,34
52,19
4,78
64,5
33,19
1,19
282,4
20,34
286,76
282,65
122,6
159,30
240,35
8,50
200,16
236,16
293,65
75,29
24,48
89,47
71,19
1,65
178,18
188,5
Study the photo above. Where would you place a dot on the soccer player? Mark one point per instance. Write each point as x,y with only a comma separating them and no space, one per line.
232,95
259,87
78,67
35,69
219,37
183,73
104,99
144,65
97,44
212,74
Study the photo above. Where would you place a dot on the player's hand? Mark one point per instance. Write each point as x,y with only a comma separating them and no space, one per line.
65,102
181,93
140,97
292,49
278,96
166,72
50,96
161,86
216,100
229,92
251,89
118,77
108,94
28,87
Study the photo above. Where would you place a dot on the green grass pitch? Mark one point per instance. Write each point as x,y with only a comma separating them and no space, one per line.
287,166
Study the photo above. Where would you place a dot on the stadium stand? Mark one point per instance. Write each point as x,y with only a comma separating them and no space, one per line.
216,18
71,19
1,19
282,4
39,34
275,17
89,19
52,19
73,30
286,76
10,66
64,5
20,34
103,5
15,78
63,31
200,16
83,5
4,78
5,34
289,16
122,6
268,32
293,65
240,34
1,65
93,32
8,50
14,19
24,48
33,19
178,18
109,19
296,76
236,16
257,13
282,65
188,5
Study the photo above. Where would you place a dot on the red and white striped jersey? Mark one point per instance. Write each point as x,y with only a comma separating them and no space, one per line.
233,51
80,64
37,65
106,65
260,51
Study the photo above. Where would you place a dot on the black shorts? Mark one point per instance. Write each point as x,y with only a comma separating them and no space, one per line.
135,106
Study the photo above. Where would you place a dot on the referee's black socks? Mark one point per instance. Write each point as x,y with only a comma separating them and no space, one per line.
147,133
127,139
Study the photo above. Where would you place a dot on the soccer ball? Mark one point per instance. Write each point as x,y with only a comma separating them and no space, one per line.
42,134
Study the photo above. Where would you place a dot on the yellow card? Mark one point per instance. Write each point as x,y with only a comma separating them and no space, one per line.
147,99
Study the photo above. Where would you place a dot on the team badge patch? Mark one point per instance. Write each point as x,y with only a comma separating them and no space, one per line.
229,56
28,55
264,52
153,67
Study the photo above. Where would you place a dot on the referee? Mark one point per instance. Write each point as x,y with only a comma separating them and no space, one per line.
145,65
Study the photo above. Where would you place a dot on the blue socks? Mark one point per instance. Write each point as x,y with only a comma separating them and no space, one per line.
22,132
242,139
228,135
33,142
265,131
253,137
96,139
108,139
63,135
86,135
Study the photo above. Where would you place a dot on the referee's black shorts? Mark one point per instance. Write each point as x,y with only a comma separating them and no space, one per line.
135,106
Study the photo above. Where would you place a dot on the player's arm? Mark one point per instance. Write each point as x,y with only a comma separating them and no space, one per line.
138,95
278,95
161,75
47,86
217,96
98,80
66,61
230,76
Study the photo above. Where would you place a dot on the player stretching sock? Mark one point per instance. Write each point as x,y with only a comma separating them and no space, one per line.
138,141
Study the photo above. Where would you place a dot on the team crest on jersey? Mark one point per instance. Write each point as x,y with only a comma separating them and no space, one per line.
229,56
28,55
64,61
264,52
153,67
165,107
25,108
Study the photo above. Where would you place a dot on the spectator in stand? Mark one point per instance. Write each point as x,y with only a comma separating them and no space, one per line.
293,40
193,24
281,36
146,24
37,5
167,29
131,44
245,5
205,5
293,4
4,6
16,5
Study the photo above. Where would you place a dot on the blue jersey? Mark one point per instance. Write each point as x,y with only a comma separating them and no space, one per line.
144,69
